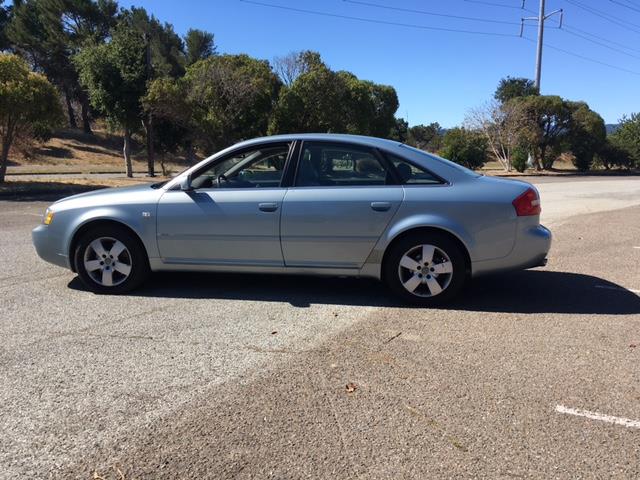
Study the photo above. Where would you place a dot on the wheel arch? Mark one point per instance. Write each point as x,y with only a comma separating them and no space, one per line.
93,223
426,230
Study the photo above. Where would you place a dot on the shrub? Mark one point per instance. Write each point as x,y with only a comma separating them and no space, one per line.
612,155
29,106
466,147
519,159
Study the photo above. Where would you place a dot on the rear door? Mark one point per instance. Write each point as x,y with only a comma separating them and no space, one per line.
342,199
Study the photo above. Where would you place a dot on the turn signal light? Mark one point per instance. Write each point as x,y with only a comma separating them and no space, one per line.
528,203
48,217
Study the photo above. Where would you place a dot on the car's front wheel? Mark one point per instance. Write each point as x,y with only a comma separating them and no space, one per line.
110,259
425,269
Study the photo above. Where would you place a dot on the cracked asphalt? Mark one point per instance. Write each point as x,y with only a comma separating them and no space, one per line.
232,376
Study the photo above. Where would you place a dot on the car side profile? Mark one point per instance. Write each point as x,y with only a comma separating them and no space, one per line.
320,204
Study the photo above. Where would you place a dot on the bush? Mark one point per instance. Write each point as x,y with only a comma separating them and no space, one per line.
582,160
612,155
519,159
627,137
29,106
466,147
587,136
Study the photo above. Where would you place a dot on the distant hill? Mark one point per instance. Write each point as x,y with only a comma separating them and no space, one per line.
612,127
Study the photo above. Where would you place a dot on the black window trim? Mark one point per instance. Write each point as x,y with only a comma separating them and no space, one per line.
291,165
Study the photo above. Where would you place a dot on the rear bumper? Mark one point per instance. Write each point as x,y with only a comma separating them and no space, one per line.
530,250
48,246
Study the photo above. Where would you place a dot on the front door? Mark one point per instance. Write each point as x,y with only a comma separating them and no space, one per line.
232,215
343,198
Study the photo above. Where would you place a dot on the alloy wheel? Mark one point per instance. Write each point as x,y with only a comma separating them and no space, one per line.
425,270
107,261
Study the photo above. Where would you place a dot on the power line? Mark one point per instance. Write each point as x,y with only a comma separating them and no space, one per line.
606,16
501,5
380,22
588,59
626,5
434,14
425,27
604,13
569,31
576,31
604,39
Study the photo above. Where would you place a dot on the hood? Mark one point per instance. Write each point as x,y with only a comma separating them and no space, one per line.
108,192
137,194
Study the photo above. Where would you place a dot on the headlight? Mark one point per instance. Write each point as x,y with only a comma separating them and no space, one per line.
48,217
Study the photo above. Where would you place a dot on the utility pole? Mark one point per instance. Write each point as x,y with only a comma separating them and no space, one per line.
541,18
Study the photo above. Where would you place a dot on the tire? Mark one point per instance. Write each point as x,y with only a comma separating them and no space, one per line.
111,260
436,282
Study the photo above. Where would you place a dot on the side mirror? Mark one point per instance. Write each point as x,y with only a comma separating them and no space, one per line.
185,184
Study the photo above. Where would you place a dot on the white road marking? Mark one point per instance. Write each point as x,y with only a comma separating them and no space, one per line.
637,248
620,289
578,412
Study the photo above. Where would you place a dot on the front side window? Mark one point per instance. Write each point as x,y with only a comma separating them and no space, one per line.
261,167
339,165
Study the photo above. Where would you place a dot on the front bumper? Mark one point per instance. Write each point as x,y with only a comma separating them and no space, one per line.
49,246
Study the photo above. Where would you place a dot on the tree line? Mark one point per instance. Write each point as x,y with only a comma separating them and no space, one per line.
72,61
522,128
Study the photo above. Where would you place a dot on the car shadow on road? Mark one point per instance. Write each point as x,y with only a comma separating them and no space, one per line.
530,291
543,291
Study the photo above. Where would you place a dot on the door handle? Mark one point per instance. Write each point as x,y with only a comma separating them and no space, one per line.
268,207
380,206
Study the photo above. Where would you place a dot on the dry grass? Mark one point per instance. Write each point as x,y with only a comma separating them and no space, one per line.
561,166
73,151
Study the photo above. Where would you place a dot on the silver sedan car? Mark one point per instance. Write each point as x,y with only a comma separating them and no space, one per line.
317,204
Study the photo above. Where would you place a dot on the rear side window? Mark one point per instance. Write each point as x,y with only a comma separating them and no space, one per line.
449,163
323,164
411,174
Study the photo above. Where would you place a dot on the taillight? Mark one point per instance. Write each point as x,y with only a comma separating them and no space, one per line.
528,203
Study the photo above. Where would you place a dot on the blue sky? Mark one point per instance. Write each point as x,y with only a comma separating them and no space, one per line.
438,75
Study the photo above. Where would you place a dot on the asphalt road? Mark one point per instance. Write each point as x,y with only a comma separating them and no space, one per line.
230,376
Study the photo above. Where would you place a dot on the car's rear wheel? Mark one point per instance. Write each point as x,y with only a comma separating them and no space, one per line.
425,269
110,259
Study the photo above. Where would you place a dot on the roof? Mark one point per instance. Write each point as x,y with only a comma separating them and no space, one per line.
336,137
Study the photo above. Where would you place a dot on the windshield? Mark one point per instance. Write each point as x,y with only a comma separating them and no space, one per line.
173,175
431,156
